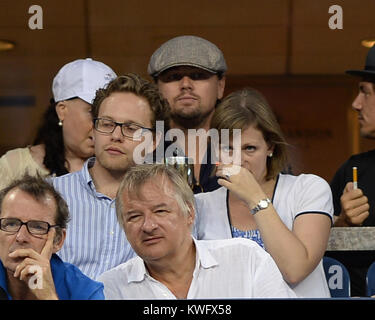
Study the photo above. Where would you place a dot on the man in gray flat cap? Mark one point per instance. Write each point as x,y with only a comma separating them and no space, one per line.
190,74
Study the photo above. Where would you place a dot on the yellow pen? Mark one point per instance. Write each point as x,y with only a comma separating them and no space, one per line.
355,178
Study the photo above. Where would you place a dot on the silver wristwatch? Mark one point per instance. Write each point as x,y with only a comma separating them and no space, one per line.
262,204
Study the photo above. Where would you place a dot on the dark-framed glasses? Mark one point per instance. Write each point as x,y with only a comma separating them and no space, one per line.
35,227
130,130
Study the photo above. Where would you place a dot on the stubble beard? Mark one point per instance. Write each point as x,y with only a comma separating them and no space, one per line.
118,166
190,120
366,133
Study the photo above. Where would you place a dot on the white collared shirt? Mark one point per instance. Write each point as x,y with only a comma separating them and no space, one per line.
230,268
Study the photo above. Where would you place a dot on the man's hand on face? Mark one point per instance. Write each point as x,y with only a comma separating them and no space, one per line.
35,269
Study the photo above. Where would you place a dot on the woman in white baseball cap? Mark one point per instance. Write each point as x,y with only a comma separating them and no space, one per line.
64,139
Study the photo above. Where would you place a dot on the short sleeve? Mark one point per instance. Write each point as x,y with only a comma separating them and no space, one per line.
313,195
5,171
11,166
15,163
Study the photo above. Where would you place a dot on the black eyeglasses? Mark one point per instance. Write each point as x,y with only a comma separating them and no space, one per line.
130,130
35,227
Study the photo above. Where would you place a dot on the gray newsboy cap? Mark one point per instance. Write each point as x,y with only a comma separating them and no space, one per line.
187,51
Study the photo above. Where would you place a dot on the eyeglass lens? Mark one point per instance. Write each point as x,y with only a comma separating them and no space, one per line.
127,129
13,225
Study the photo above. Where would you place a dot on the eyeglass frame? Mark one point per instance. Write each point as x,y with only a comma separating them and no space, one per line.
121,125
49,226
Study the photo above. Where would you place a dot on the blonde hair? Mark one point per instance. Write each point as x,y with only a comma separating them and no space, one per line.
141,87
248,107
138,175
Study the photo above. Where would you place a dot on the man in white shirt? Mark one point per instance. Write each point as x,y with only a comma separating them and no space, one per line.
155,206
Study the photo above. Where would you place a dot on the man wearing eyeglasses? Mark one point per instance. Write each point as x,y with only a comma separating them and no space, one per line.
190,74
33,219
124,115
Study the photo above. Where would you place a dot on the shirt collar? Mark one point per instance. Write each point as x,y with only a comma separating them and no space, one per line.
138,271
3,280
57,269
203,255
204,258
85,174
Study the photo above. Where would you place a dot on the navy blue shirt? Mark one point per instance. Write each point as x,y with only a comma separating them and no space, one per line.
70,282
207,179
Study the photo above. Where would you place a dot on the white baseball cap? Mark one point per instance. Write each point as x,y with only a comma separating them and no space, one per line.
81,78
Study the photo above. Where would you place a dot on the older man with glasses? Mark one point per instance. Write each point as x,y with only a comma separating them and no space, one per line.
125,115
33,218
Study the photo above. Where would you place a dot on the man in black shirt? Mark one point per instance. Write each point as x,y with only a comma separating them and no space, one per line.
354,206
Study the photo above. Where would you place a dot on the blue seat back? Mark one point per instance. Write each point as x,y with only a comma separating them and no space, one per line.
338,278
370,280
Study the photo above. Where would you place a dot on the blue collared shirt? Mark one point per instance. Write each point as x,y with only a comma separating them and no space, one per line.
70,282
95,241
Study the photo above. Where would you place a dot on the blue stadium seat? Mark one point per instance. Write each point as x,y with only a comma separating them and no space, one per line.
370,280
338,278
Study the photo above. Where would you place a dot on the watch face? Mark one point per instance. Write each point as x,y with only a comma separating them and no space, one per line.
263,204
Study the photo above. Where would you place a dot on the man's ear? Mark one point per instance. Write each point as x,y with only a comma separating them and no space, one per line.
61,109
59,240
221,87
